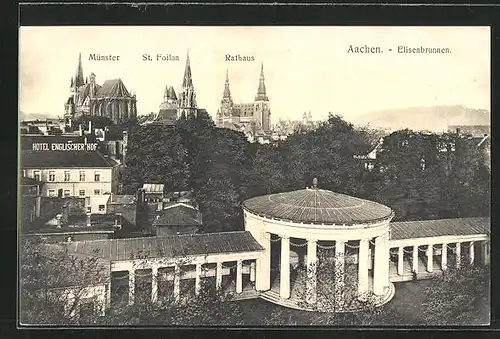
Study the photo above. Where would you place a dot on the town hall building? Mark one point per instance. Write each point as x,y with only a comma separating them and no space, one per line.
255,115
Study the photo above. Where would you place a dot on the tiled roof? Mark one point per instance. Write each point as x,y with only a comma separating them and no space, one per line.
167,246
178,215
441,227
317,206
122,199
84,90
113,88
169,114
64,159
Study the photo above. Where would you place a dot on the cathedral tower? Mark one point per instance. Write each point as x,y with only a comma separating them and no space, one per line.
226,104
262,111
187,96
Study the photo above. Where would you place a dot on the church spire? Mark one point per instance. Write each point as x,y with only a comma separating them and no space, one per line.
227,91
261,92
187,81
79,80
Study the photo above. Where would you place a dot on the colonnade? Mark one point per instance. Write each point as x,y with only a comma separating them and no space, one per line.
380,266
178,276
430,252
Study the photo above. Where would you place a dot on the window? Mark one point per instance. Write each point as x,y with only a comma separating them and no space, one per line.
66,193
67,176
52,193
52,176
101,208
36,175
82,175
97,192
97,176
81,193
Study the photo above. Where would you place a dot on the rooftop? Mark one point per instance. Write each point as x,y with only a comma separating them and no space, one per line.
65,159
441,227
178,215
113,88
318,206
167,246
122,199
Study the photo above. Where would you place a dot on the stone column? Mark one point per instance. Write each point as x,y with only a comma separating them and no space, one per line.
430,258
444,257
218,278
458,252
471,252
198,279
486,253
285,268
311,271
363,259
339,272
239,276
414,266
263,279
381,271
131,286
108,295
252,271
177,282
370,258
154,284
401,256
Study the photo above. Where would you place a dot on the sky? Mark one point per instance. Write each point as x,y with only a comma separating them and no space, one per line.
306,68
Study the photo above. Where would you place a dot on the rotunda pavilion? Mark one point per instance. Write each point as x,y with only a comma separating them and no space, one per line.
315,218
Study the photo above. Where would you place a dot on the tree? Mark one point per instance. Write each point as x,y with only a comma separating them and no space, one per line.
155,154
47,273
459,296
97,121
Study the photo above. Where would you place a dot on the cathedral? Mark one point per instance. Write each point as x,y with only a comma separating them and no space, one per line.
87,98
173,106
254,116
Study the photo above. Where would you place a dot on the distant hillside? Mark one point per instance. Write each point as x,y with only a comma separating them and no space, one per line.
33,116
434,118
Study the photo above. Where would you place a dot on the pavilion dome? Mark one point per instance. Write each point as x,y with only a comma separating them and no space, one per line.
318,206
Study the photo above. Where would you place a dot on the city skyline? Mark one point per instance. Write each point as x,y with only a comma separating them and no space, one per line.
297,66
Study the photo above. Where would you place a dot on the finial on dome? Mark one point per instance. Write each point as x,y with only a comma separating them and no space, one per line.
315,183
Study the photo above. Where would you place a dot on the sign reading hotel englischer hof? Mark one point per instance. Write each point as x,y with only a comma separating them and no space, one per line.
254,176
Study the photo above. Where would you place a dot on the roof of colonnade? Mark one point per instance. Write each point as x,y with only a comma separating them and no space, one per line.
166,246
440,228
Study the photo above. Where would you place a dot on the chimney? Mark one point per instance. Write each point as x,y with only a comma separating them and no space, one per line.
88,220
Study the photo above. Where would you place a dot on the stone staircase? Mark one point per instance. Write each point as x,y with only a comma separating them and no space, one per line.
274,297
